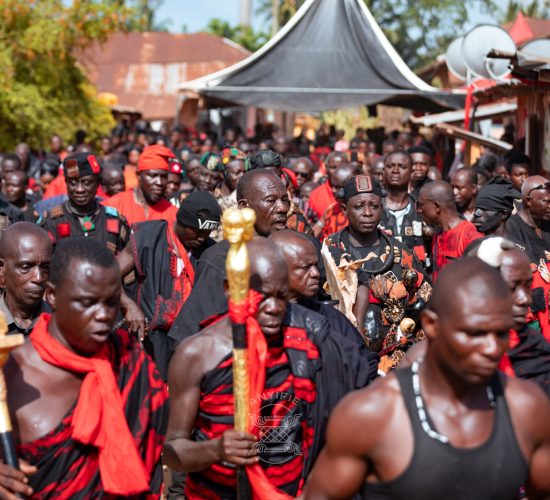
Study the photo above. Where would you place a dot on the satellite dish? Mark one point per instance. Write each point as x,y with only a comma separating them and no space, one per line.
455,60
478,42
539,47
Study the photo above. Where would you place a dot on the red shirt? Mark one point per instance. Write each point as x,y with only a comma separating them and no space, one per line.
450,245
127,205
335,221
321,198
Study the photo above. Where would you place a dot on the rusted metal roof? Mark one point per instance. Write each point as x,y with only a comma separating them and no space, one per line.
144,70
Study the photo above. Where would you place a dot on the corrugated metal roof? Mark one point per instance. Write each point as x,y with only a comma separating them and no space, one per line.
144,69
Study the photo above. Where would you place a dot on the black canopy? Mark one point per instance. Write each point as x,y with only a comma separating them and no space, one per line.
331,54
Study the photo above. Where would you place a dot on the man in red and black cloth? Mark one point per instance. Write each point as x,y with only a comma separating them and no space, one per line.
81,214
436,205
147,201
307,370
88,407
163,256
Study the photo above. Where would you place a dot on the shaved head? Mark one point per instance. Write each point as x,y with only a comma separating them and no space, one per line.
467,279
531,183
12,236
439,191
265,260
465,174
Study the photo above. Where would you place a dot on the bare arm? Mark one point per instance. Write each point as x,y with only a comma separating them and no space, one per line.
538,485
342,467
361,306
180,451
132,313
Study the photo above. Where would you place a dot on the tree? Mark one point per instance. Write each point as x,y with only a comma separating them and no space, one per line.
536,9
144,16
44,89
419,30
243,35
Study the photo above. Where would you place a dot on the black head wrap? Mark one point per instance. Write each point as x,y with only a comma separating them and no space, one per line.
498,194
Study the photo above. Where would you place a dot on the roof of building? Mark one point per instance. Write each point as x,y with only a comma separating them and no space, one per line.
524,29
144,70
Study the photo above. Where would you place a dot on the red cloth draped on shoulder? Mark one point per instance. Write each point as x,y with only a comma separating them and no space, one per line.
99,418
188,270
245,313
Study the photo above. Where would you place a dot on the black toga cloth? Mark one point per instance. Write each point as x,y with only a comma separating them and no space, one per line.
525,237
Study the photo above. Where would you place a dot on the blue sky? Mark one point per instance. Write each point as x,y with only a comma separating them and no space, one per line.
195,14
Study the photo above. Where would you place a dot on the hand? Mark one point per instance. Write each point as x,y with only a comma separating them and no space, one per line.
135,319
14,481
236,448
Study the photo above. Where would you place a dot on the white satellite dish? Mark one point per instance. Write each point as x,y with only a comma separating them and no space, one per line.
478,42
539,47
455,60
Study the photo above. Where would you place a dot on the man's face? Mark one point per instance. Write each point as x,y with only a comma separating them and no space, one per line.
271,311
25,269
501,171
538,204
463,190
303,273
194,169
332,163
518,175
191,237
397,171
82,190
234,171
14,186
427,210
281,145
516,271
209,179
106,146
339,178
153,183
269,199
473,337
172,185
113,182
56,145
364,212
133,157
9,165
420,165
85,304
377,171
303,171
486,221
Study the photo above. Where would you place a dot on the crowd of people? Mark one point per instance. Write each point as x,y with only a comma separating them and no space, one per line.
398,318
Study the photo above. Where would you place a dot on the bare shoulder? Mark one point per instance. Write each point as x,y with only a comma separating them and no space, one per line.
371,407
204,350
526,400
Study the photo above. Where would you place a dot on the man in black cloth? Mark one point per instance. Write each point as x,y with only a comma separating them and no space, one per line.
494,206
15,187
307,371
464,182
25,255
528,355
163,256
422,160
399,218
303,282
451,426
392,283
530,227
264,192
518,166
81,215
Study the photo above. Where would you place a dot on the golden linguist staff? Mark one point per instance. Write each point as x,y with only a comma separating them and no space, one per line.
238,228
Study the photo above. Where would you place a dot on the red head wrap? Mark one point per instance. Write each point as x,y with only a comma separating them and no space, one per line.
154,158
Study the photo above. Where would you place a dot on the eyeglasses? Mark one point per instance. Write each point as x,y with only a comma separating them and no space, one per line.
545,186
301,174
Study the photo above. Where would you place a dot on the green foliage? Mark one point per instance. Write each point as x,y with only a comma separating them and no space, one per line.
243,35
43,90
537,9
349,119
144,16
